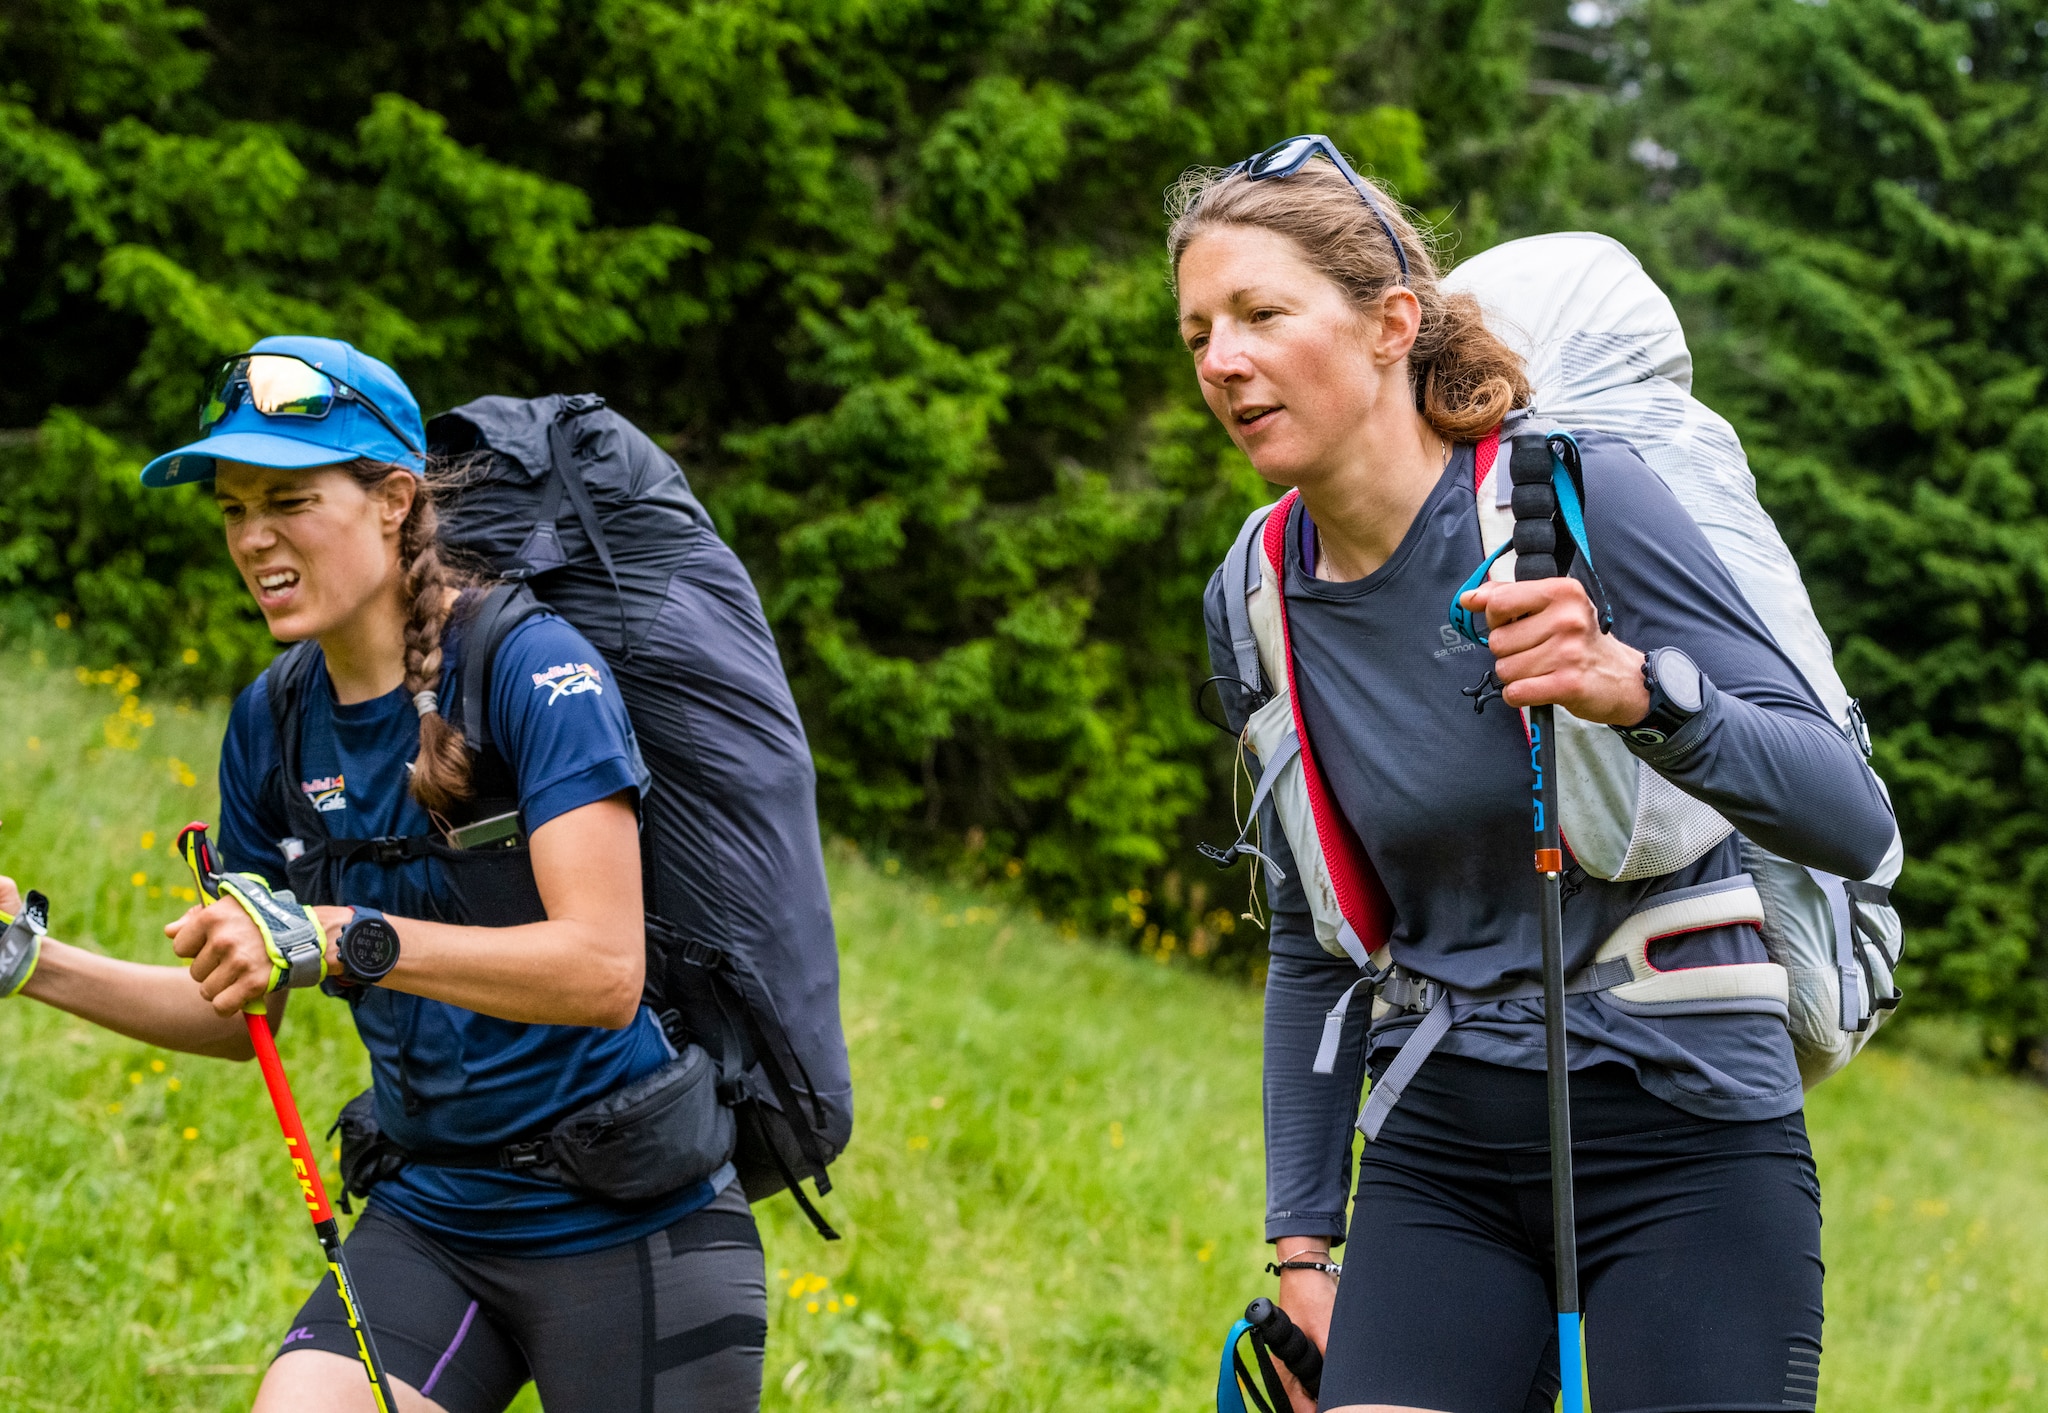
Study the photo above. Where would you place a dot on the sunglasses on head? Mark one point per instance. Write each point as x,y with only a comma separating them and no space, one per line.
1284,159
284,385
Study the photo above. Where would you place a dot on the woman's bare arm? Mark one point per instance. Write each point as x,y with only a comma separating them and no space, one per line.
156,1005
584,965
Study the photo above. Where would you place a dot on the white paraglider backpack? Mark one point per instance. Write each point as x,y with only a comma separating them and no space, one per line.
1604,352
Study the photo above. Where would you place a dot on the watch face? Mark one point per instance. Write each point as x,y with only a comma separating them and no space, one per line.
1679,678
369,948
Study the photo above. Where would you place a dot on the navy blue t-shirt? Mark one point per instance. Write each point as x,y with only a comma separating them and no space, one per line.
475,1080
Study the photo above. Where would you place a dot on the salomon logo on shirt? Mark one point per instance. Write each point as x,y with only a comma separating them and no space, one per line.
1454,642
568,680
327,794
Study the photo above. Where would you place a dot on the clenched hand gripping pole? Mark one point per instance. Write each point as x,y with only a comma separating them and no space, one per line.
1534,468
1272,1335
270,912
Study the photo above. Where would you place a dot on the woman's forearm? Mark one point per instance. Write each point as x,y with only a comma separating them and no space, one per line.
560,972
1308,1116
584,965
156,1005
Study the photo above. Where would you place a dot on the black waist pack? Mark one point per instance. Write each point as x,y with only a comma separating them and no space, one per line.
653,1137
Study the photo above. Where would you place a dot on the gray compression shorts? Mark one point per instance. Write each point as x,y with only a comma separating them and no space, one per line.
675,1321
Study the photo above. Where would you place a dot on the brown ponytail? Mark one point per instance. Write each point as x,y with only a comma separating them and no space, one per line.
1466,379
440,774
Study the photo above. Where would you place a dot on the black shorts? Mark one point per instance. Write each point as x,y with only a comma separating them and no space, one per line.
1699,1253
675,1321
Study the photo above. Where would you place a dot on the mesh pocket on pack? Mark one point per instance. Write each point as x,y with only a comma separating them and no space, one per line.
1672,829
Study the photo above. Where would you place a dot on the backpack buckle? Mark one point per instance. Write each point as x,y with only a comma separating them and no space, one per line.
519,1157
1859,728
734,1089
1405,991
389,851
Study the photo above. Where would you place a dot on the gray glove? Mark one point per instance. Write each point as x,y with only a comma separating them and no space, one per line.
22,943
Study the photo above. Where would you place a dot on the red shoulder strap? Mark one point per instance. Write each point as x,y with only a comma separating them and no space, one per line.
1483,456
1361,897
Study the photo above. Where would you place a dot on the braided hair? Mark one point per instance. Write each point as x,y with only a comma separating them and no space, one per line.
430,584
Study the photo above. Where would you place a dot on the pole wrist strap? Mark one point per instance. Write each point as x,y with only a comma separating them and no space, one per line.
292,934
21,944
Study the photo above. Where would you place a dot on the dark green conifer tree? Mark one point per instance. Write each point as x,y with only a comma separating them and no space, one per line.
887,277
1848,199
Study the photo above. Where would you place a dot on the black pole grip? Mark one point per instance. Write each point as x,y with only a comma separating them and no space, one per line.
1535,506
1288,1343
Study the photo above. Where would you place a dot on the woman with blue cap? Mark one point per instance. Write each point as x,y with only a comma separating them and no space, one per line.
475,1279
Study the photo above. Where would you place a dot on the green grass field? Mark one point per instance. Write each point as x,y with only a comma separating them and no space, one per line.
1052,1200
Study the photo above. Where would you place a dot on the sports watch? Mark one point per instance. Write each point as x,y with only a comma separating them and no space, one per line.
368,947
1676,695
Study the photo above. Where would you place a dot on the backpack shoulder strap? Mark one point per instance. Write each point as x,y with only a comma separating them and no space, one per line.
569,471
1490,495
1362,899
1240,581
504,607
285,681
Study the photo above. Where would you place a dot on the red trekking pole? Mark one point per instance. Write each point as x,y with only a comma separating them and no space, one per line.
199,856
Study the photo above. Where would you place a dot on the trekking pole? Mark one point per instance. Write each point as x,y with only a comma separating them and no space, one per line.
1532,467
199,857
1235,1379
1288,1343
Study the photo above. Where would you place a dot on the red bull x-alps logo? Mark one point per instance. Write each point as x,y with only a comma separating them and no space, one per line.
568,680
328,794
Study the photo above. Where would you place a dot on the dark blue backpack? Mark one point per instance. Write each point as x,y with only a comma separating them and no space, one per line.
581,513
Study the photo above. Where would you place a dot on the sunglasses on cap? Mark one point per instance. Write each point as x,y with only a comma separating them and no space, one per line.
282,385
1284,159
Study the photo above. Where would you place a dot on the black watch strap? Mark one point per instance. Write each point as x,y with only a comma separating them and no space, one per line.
1676,693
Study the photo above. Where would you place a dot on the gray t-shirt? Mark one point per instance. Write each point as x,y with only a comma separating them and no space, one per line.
1439,795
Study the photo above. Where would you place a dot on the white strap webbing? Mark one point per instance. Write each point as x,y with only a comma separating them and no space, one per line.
1850,976
1723,903
1333,1027
1621,969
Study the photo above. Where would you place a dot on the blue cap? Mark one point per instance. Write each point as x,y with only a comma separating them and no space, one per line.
290,443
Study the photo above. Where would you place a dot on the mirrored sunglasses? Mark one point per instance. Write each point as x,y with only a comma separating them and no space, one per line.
1284,159
281,385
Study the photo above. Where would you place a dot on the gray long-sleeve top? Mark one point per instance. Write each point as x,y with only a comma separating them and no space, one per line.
1439,796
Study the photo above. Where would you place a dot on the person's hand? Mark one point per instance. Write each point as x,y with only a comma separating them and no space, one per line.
1548,650
229,960
10,896
1308,1297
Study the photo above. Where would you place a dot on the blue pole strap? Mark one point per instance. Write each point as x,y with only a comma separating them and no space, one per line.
1470,625
1568,506
1473,627
1229,1398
